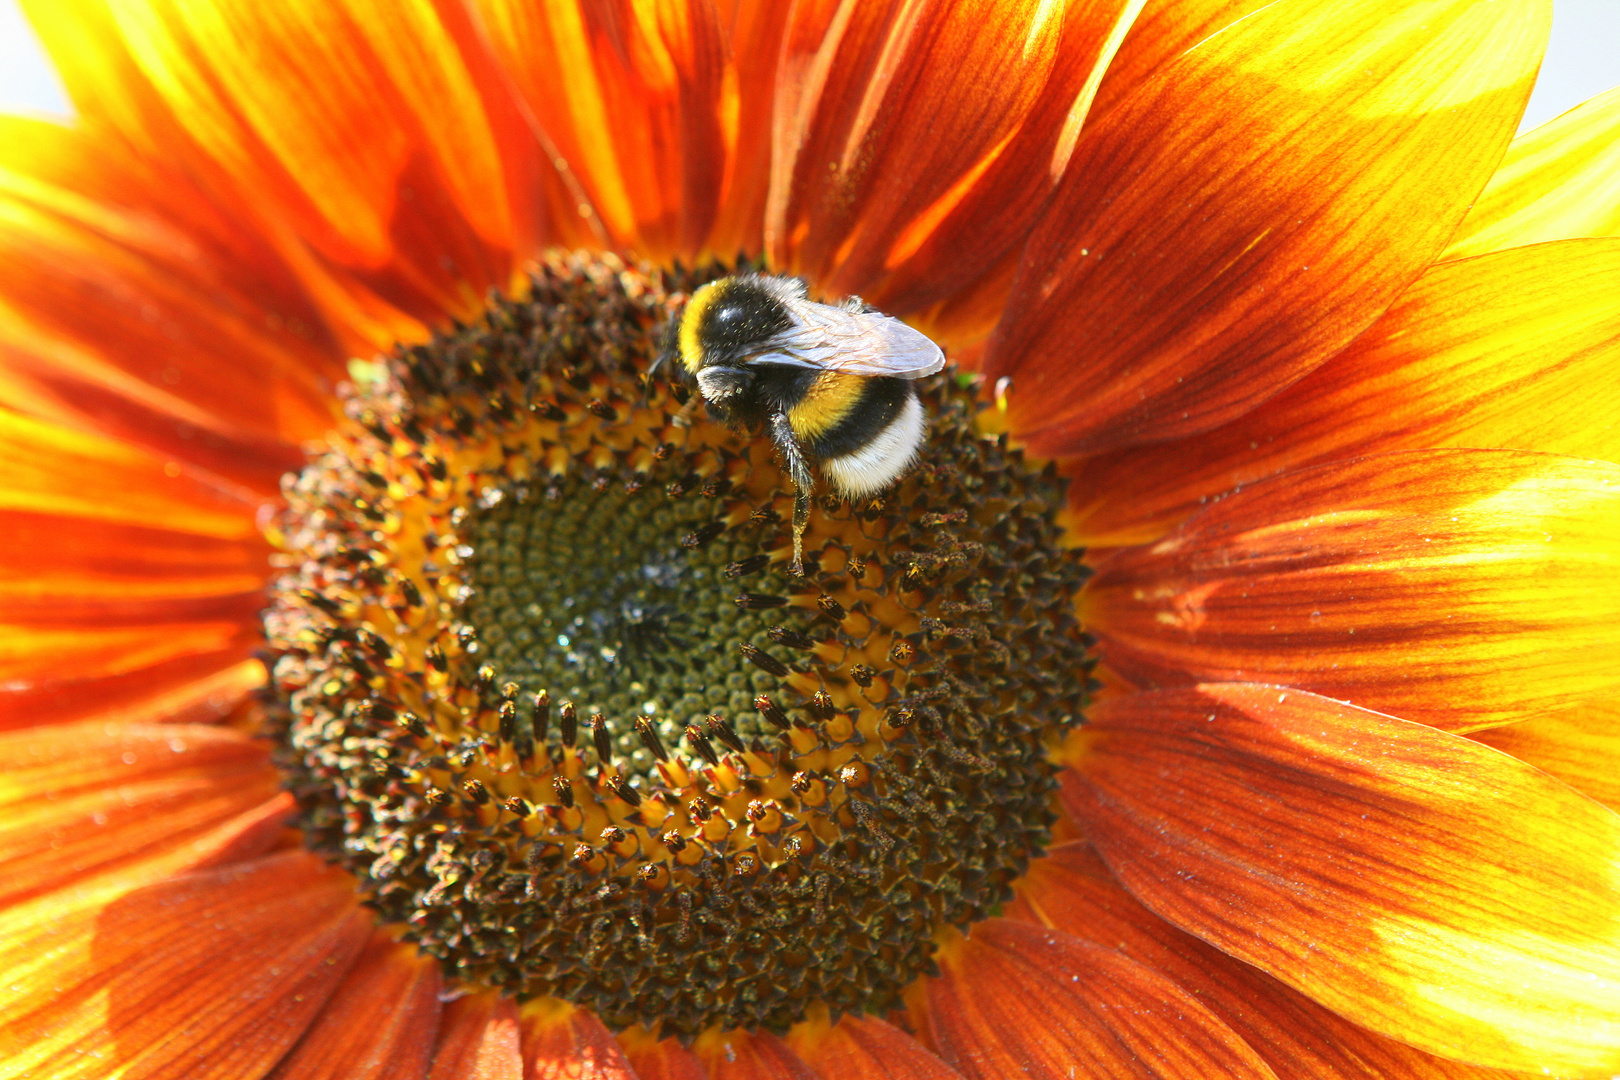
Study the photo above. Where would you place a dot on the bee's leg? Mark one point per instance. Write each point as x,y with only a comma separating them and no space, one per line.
799,469
683,417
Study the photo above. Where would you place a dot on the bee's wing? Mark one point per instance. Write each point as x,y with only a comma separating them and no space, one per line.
860,342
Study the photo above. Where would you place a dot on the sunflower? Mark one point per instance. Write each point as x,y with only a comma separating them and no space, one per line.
402,678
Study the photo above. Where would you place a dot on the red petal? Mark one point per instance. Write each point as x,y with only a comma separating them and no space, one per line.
1519,350
866,1048
1019,1001
77,800
1461,588
561,1042
904,217
644,102
478,1040
211,975
379,1024
1071,890
1579,746
1391,871
1252,208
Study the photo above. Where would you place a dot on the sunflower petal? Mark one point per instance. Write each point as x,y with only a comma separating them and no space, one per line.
1518,349
646,104
562,1042
80,799
50,470
1162,31
65,647
374,129
118,308
378,1025
866,1048
1460,588
478,1040
1579,746
1016,1000
665,1059
193,690
1071,890
213,974
869,89
1560,180
745,1055
1251,209
1389,870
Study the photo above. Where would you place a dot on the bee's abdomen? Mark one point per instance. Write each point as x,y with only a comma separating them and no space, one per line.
863,431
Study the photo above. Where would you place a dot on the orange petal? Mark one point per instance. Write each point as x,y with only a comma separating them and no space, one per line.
990,216
661,112
866,197
866,1048
664,1059
1071,890
744,1055
191,687
1015,1000
82,670
118,315
1253,207
563,1042
80,799
1389,870
213,974
1579,746
65,570
1460,588
1162,31
63,575
377,132
48,469
478,1040
379,1024
1560,180
1519,349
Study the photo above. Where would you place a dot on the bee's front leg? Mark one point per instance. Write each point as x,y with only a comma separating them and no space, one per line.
798,468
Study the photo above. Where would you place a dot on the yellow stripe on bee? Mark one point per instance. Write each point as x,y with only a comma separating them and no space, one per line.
696,307
827,401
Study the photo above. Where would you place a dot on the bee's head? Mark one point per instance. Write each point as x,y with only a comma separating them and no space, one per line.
729,319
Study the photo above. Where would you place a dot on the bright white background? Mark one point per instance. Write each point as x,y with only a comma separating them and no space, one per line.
1583,58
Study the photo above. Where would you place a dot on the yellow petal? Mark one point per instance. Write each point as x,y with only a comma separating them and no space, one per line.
1460,588
1422,885
1560,180
1579,746
1518,349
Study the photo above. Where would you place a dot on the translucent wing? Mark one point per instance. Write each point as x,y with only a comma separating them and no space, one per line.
860,342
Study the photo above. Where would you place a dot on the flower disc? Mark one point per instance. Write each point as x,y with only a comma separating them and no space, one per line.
546,684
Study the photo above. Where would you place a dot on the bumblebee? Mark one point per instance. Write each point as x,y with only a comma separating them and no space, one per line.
833,384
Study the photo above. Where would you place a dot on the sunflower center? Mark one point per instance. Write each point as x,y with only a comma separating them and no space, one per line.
546,685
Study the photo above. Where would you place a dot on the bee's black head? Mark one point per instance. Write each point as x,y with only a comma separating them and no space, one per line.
728,319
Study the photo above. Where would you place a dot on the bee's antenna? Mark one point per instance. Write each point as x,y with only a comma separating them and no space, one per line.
670,342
